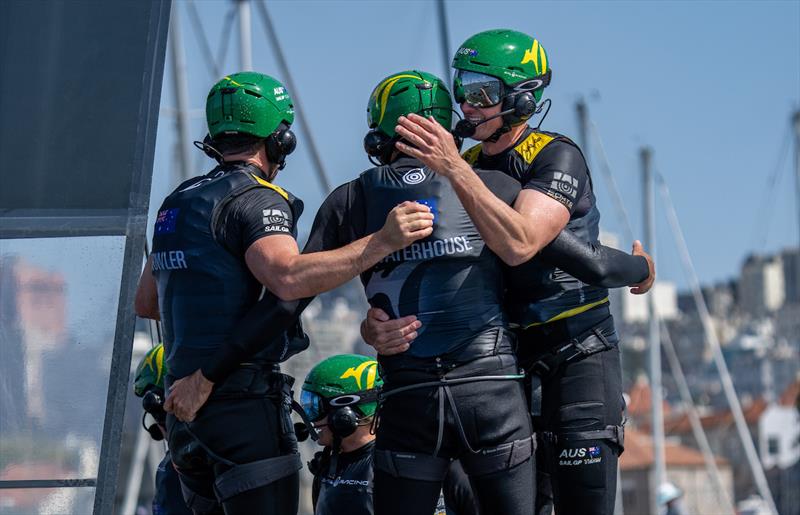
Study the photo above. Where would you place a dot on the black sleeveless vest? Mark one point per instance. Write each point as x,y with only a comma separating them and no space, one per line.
451,280
203,289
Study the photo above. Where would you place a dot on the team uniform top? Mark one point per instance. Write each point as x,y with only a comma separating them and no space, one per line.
451,281
202,232
539,292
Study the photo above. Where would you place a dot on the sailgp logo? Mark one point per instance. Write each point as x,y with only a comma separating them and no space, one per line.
415,176
579,456
275,220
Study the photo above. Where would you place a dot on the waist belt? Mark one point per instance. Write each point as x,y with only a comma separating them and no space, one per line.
253,380
587,343
493,342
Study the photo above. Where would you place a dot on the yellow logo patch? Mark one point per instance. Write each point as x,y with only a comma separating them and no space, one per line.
536,55
154,360
358,372
532,145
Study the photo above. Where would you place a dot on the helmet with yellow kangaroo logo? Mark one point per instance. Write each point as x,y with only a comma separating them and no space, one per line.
342,380
150,372
401,94
505,66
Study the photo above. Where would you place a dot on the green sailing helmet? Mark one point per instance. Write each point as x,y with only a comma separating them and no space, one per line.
511,56
248,103
408,92
150,372
338,376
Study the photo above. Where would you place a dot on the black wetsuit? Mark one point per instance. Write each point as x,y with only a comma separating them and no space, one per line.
204,289
349,490
453,282
581,400
168,499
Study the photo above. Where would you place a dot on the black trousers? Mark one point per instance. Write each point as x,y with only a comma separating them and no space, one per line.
578,476
491,413
244,420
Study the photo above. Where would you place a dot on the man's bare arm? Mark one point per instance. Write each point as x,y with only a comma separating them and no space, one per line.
507,231
277,263
146,301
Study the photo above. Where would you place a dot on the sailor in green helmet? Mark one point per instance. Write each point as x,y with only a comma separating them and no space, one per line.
567,341
219,240
340,396
148,384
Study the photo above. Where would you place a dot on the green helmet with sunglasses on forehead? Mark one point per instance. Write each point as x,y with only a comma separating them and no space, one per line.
511,56
343,376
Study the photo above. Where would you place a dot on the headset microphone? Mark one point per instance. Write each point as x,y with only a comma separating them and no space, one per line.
466,128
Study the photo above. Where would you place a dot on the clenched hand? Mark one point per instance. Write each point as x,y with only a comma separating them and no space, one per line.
405,224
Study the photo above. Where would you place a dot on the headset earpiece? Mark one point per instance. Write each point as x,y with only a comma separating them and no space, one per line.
378,145
343,421
280,144
524,105
375,143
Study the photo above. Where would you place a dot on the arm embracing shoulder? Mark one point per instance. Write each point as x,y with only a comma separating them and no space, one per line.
593,263
268,320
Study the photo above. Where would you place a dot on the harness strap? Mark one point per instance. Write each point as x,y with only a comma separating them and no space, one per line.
242,478
461,433
586,344
502,457
444,381
196,502
615,434
421,467
440,433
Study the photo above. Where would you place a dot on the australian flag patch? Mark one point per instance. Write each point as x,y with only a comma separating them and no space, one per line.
167,221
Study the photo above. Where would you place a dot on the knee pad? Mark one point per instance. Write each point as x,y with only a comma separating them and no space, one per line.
502,457
249,476
407,465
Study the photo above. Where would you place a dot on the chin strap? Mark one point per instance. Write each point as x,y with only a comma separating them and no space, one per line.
499,132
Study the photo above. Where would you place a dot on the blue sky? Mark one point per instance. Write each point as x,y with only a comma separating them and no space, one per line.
710,86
